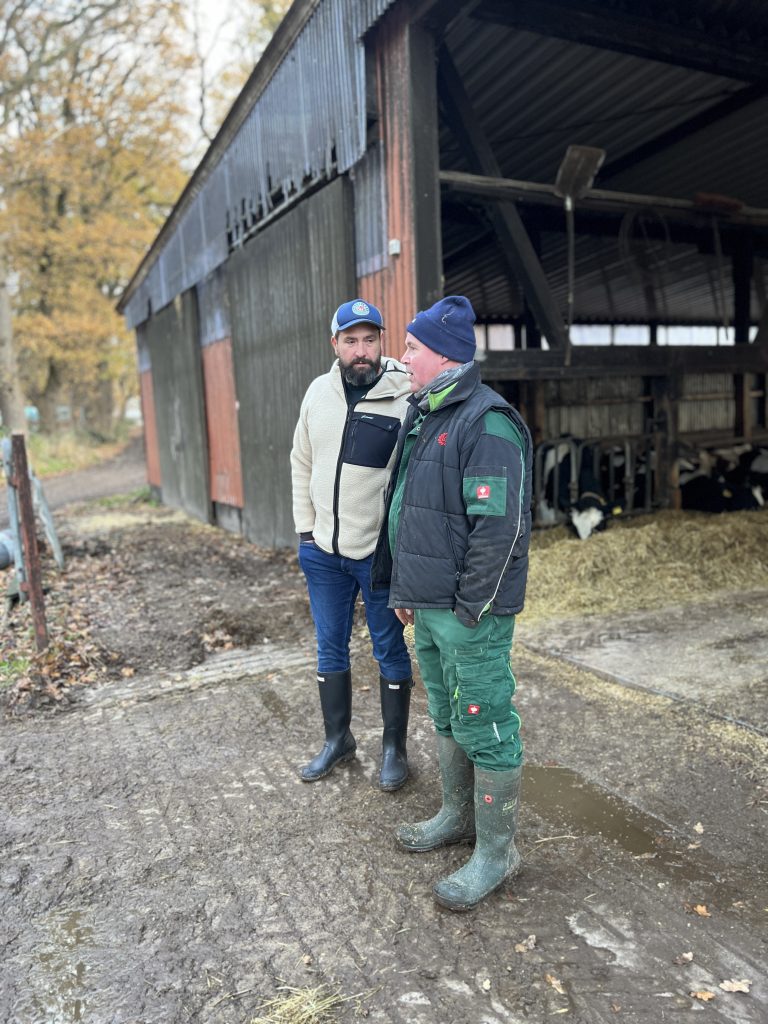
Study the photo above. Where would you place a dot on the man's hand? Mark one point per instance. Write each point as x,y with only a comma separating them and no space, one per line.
405,615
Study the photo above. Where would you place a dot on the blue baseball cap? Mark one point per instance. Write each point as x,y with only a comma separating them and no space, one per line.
356,312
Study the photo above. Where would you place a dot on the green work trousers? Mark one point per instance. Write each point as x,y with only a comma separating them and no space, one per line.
469,684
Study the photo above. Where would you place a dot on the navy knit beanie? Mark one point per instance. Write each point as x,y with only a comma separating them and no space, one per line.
447,328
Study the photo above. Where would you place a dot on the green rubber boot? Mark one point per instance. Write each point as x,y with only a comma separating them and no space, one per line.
454,822
497,801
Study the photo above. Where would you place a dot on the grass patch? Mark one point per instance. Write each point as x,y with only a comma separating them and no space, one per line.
12,669
141,496
68,451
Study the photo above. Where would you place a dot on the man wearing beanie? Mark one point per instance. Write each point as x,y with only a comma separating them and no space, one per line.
343,451
454,551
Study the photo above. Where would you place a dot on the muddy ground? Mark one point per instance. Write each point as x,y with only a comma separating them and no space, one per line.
160,861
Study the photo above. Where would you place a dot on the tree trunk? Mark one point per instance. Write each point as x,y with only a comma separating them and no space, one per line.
48,400
97,409
11,397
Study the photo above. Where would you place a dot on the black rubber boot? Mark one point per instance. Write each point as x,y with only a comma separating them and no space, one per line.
336,704
395,705
455,821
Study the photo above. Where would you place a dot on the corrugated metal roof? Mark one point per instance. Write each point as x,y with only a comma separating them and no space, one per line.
535,95
306,123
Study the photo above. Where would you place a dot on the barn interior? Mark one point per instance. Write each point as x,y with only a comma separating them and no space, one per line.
663,278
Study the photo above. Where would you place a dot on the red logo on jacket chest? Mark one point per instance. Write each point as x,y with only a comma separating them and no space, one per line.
442,438
473,709
483,491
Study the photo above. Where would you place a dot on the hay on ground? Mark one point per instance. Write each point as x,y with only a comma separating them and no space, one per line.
301,1006
646,562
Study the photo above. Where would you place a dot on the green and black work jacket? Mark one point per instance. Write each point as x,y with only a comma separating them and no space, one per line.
460,503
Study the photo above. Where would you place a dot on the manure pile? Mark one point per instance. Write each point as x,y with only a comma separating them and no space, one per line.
646,562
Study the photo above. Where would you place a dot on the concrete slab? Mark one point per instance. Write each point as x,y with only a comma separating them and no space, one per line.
715,654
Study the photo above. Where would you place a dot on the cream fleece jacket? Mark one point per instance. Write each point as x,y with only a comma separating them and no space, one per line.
341,459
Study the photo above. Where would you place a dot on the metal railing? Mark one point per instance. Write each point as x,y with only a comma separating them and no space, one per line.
623,470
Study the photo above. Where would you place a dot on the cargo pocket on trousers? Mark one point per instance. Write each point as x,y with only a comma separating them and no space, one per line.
473,704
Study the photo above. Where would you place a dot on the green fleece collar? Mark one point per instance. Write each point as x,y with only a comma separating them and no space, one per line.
436,398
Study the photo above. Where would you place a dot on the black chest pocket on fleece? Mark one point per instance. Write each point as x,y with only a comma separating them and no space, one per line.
371,439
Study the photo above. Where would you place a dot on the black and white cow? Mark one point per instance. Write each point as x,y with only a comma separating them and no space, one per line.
731,479
571,485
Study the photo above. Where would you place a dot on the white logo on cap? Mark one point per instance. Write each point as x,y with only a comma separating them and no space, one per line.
360,309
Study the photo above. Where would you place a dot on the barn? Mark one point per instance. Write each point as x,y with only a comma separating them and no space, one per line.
591,175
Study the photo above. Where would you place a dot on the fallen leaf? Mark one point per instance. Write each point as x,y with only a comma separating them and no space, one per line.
307,959
487,984
701,910
646,856
693,846
128,671
703,996
526,944
555,983
735,986
615,1007
698,827
683,958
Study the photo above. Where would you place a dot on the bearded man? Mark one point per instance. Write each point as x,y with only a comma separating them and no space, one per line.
342,456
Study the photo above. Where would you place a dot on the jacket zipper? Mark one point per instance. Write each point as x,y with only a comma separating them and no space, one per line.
453,549
337,482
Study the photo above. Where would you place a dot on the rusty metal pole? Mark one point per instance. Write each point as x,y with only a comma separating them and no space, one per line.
33,585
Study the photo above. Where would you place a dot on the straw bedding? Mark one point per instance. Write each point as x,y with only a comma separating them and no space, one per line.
648,562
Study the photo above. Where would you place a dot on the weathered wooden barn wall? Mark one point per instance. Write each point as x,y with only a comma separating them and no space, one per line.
177,385
707,403
594,407
401,171
284,287
225,473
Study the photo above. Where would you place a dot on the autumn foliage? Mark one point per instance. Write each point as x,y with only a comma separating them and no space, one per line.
93,137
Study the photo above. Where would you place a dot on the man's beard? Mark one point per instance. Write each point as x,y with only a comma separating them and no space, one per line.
361,372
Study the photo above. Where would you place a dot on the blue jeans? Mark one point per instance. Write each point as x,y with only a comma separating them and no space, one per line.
333,583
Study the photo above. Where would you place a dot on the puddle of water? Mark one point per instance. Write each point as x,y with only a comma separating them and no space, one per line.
559,793
59,980
580,807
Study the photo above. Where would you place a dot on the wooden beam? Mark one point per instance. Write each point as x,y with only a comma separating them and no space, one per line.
620,360
598,200
509,228
685,45
742,267
425,165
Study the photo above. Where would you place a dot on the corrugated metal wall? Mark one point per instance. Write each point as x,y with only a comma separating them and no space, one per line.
151,449
283,289
309,120
171,338
393,287
225,472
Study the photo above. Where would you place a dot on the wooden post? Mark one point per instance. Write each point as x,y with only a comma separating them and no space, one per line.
665,393
33,585
742,296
